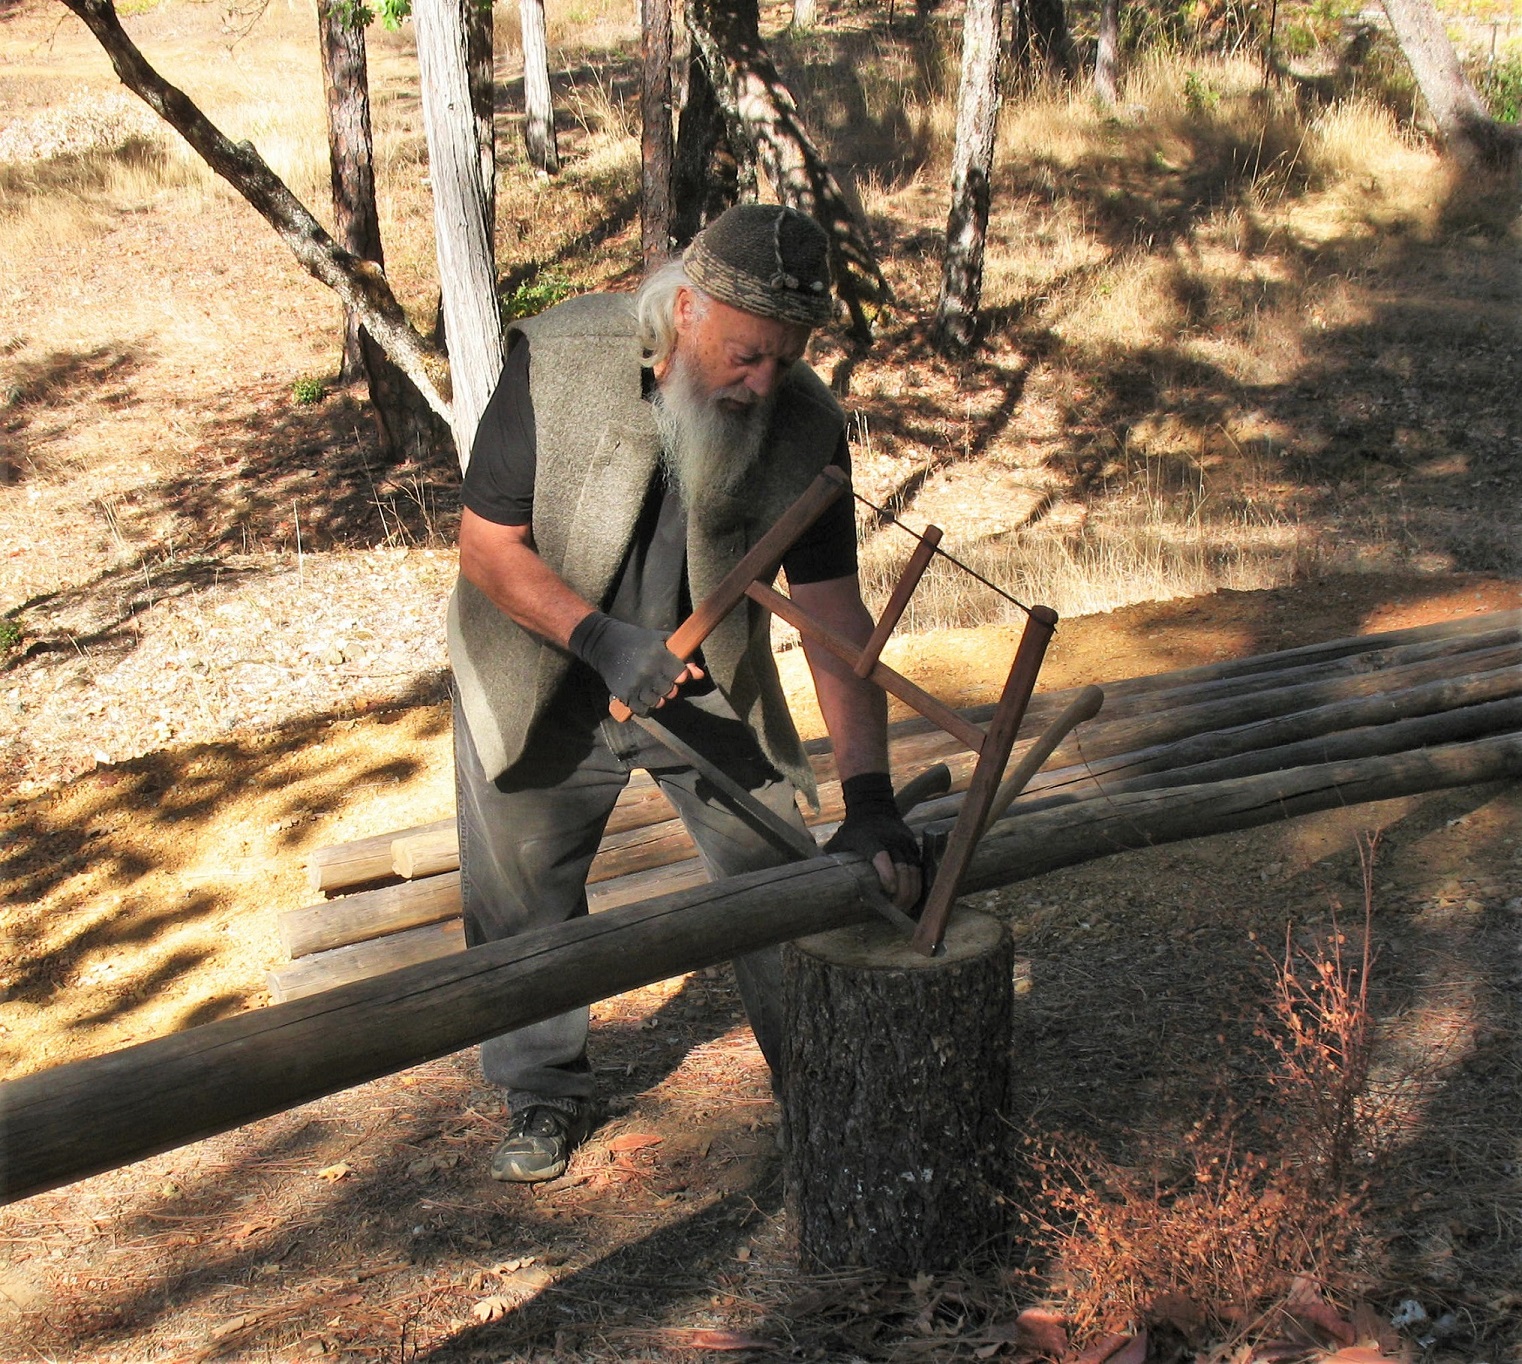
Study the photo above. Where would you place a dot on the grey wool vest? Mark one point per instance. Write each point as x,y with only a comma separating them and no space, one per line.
597,451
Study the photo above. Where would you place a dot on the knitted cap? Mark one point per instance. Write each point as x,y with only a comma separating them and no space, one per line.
764,259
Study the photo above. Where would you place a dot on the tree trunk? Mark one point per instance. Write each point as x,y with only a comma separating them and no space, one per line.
483,100
351,166
359,285
956,315
409,428
1049,29
805,13
1463,122
655,132
406,425
715,162
895,1095
467,277
748,87
1107,56
538,108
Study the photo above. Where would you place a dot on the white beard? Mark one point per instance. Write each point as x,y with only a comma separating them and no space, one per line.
707,448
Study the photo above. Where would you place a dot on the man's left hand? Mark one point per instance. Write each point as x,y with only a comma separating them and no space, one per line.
874,828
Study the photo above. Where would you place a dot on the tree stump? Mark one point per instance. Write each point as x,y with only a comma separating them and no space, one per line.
894,1092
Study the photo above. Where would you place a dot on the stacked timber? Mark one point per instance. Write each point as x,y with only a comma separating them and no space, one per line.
1170,757
1365,710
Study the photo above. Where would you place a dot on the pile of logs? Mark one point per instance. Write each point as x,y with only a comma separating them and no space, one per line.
1170,757
1370,705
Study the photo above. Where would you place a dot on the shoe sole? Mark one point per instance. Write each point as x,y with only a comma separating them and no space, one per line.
510,1175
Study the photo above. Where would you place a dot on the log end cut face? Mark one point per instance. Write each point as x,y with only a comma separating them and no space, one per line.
878,946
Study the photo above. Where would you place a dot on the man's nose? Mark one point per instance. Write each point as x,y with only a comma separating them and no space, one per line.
762,378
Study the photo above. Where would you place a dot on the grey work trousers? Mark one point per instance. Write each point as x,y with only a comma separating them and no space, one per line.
527,841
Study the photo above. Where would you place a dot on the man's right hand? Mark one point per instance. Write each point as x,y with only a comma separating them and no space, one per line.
632,661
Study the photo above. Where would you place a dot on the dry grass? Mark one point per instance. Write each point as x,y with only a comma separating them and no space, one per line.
1252,1221
1146,547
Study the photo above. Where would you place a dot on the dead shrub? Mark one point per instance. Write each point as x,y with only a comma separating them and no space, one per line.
1255,1218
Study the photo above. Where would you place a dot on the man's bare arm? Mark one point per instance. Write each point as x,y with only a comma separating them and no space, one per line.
855,711
502,562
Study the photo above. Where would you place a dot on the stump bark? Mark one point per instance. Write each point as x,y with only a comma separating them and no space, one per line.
895,1090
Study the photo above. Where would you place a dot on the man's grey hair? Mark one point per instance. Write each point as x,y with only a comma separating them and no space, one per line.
655,310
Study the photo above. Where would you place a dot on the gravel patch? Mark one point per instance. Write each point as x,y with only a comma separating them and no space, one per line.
193,650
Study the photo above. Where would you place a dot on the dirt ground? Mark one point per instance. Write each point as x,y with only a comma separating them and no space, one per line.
363,1226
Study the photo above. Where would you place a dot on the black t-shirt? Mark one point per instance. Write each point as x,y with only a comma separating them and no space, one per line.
651,588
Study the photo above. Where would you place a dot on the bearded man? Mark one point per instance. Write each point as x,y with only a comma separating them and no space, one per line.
631,454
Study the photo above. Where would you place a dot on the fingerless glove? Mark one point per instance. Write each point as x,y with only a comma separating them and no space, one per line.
633,662
873,823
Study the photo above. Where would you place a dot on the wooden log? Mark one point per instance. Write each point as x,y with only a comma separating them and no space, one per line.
1276,731
370,914
366,861
74,1120
369,957
917,743
1187,687
408,944
1277,742
1022,846
77,1119
1103,754
1108,736
361,862
427,852
1445,727
1130,722
1107,748
1442,638
895,1095
1167,765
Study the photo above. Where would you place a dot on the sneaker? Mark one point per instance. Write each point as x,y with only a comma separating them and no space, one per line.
539,1143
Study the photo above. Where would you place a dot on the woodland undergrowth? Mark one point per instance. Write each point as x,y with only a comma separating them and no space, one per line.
1250,1226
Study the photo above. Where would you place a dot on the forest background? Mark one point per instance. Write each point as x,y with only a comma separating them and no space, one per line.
1246,330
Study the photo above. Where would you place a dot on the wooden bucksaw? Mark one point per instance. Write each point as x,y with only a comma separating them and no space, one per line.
948,854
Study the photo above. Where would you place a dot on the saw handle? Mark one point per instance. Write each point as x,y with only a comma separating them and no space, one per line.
761,561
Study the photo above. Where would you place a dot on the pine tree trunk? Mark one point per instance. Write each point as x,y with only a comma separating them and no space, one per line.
956,315
1107,56
1462,120
467,274
483,99
351,167
753,95
538,108
655,132
407,427
1049,28
715,163
895,1095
